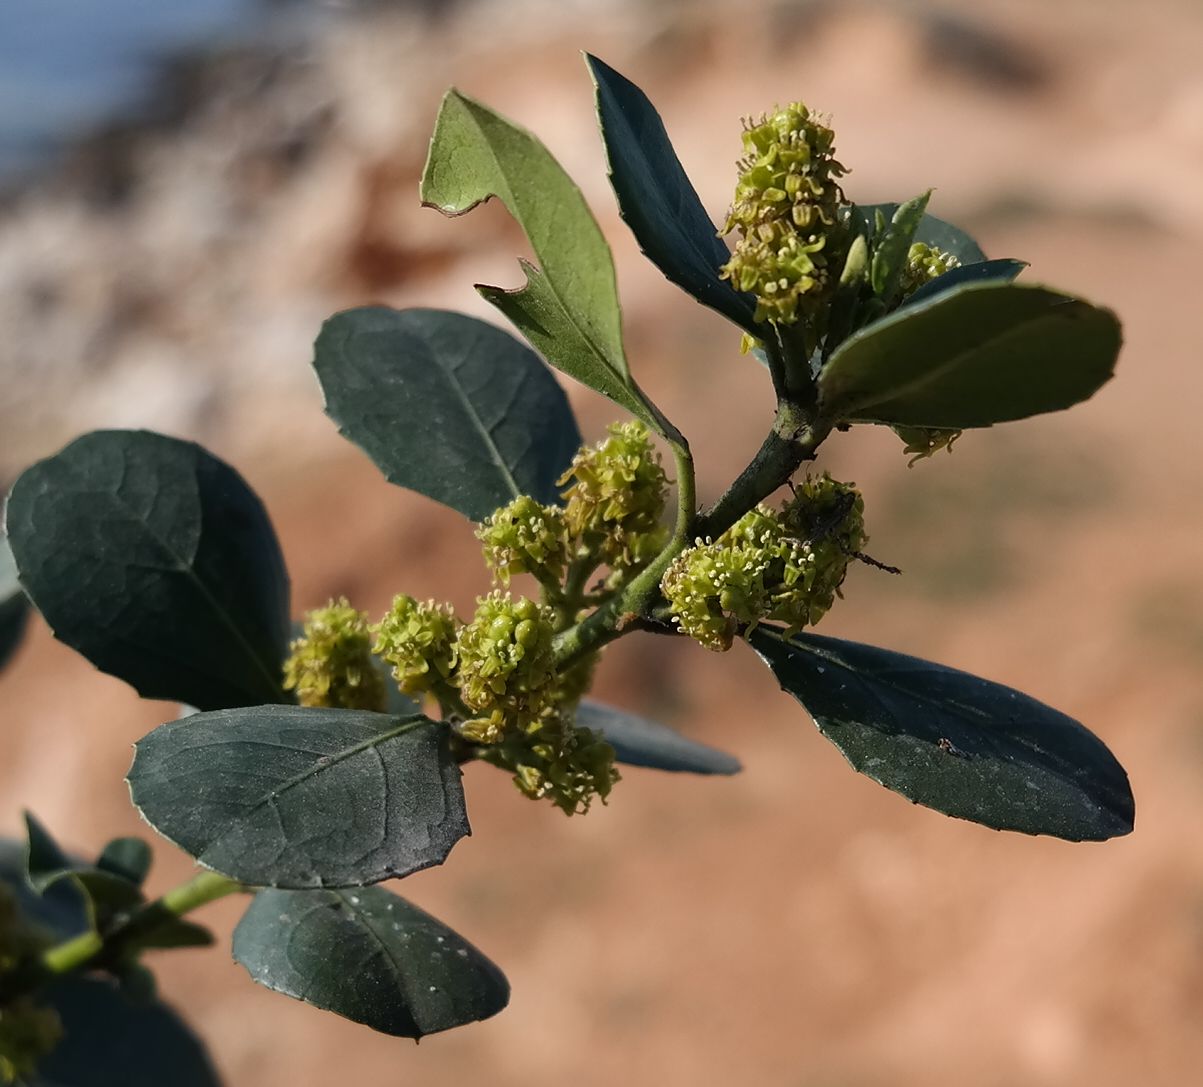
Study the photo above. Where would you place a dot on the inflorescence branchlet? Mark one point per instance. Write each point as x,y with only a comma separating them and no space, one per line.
29,1029
785,566
495,676
786,209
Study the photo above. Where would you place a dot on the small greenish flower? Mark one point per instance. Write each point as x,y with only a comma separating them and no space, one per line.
923,264
559,761
504,666
526,537
786,211
331,663
923,442
418,641
615,498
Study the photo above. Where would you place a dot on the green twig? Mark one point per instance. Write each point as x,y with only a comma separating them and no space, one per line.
90,948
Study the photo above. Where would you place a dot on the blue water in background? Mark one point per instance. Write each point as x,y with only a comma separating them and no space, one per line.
67,65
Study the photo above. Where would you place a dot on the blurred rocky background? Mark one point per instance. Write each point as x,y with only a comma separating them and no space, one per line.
187,191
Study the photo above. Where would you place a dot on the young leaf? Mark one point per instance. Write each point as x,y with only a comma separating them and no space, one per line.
105,894
369,956
1002,270
288,796
890,252
951,741
111,1041
658,201
640,742
932,231
978,354
159,564
13,605
569,307
128,858
447,405
170,934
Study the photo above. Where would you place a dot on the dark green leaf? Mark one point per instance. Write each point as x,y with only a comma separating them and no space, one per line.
111,1041
951,741
890,251
569,306
658,201
447,405
640,742
128,858
287,796
62,909
932,231
13,605
158,563
979,354
369,956
105,894
1000,270
172,933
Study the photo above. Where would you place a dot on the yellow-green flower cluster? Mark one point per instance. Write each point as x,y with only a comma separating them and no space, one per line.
331,663
28,1030
785,208
504,666
784,566
923,264
525,537
561,762
418,641
615,498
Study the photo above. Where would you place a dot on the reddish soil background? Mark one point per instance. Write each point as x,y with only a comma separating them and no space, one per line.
795,925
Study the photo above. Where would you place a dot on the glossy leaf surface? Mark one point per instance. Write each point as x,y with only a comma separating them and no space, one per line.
979,354
569,306
953,742
158,563
640,742
287,796
447,405
369,956
658,201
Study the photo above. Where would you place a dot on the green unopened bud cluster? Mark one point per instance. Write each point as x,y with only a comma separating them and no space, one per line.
923,264
785,566
786,205
526,537
331,663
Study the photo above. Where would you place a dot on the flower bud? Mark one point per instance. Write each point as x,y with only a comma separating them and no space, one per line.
331,663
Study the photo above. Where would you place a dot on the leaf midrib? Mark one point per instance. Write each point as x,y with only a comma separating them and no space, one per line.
274,684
